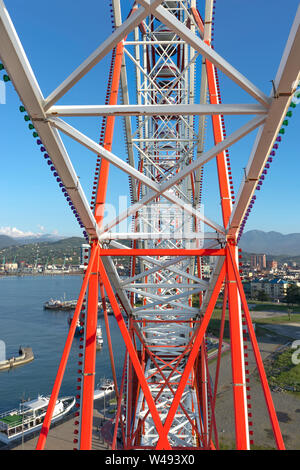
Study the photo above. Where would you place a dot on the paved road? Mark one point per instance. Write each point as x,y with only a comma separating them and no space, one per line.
290,330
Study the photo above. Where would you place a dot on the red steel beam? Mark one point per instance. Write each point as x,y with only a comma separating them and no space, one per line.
218,137
161,252
108,137
88,380
237,359
198,20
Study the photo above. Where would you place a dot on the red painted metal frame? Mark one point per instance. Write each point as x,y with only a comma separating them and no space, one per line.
161,252
237,362
88,379
108,137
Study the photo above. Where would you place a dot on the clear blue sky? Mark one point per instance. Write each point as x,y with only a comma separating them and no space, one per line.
58,35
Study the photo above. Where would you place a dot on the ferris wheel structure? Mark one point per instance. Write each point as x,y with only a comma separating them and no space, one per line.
163,83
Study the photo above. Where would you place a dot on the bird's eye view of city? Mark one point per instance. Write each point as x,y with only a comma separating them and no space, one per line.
149,228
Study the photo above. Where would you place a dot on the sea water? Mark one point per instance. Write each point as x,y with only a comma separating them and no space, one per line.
24,322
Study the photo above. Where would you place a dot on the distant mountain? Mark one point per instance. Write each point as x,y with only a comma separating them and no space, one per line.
6,241
270,243
51,252
253,241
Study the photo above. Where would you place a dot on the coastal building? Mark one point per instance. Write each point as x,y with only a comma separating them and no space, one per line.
258,262
247,288
11,267
272,265
275,289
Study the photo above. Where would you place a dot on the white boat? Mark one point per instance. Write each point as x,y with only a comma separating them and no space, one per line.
53,304
99,338
106,387
21,422
60,304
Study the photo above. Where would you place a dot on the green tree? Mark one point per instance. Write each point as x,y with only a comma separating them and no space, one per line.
262,296
292,294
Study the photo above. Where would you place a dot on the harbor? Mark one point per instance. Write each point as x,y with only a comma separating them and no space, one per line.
24,320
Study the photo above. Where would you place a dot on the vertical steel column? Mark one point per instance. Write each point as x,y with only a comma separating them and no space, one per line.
88,380
237,357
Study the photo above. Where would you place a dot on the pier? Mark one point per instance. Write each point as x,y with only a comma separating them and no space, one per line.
25,355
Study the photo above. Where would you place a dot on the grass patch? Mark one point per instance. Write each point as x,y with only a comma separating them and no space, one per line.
283,373
214,327
282,319
273,307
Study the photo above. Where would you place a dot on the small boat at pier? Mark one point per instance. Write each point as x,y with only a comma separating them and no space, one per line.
99,337
79,329
56,304
60,304
105,387
18,423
